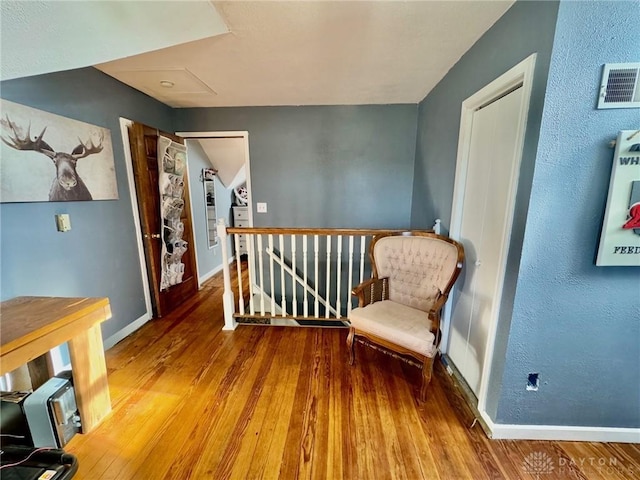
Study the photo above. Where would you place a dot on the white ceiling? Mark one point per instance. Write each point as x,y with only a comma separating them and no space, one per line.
227,156
274,52
314,53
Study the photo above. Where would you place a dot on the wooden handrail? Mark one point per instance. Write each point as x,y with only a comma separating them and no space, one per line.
314,231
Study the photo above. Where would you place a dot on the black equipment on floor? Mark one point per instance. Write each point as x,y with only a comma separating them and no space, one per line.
27,463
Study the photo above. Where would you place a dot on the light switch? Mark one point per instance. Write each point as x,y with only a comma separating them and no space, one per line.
261,207
63,222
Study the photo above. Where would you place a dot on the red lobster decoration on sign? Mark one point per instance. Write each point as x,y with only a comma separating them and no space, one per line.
634,217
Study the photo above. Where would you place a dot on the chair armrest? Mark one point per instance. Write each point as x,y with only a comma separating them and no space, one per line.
434,315
371,291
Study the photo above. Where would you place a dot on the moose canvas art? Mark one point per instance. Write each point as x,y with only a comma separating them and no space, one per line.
46,157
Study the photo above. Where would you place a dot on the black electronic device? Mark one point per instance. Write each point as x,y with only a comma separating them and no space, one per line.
14,429
27,463
52,414
46,417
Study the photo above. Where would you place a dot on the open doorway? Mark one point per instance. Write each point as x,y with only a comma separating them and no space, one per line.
197,187
218,197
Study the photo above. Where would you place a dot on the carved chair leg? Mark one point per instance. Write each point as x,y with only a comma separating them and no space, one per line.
427,369
351,345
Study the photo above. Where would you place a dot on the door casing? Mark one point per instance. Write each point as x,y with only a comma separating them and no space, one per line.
124,124
521,74
224,134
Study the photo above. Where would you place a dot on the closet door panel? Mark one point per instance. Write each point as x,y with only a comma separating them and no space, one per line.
483,232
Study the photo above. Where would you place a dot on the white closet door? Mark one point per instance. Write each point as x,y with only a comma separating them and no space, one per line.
485,214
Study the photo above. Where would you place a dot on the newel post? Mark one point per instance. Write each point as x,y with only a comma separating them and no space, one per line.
228,301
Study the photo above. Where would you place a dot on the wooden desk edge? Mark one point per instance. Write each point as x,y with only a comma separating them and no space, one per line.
95,304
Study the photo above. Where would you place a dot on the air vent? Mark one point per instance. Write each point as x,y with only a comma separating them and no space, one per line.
620,86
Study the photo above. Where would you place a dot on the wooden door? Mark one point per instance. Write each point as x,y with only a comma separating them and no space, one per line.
144,143
486,210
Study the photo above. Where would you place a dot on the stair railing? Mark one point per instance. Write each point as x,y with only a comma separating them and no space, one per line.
301,274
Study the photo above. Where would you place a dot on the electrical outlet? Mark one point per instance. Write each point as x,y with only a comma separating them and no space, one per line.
261,207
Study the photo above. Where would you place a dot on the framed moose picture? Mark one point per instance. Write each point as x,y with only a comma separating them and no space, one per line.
46,157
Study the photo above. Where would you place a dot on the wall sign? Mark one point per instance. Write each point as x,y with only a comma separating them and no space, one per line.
620,237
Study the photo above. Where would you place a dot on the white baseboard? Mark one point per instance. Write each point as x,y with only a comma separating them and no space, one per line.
561,432
126,331
210,274
501,431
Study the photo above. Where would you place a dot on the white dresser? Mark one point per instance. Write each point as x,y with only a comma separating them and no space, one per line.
241,219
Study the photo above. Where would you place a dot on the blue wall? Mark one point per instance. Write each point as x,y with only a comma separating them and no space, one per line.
99,256
315,166
209,259
333,166
576,324
526,28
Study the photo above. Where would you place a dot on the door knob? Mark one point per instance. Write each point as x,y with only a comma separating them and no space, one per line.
478,263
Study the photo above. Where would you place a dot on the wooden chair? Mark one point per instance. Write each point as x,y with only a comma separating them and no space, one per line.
399,308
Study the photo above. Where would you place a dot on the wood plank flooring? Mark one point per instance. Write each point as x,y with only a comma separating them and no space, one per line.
191,401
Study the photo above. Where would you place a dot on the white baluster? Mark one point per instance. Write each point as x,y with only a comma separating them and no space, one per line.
283,298
271,281
236,238
315,262
304,259
362,245
328,289
350,274
260,274
339,275
252,272
293,282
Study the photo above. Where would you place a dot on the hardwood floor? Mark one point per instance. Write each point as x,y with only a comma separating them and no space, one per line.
193,402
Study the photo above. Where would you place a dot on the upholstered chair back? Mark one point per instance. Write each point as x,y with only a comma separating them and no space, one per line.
419,268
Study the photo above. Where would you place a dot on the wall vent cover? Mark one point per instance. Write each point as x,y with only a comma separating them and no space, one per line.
620,86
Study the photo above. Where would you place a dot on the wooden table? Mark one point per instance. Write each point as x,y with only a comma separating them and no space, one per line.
31,326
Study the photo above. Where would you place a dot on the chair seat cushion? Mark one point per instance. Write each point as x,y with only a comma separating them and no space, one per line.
397,323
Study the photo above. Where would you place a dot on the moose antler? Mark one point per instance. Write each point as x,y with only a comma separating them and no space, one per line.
25,143
86,149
